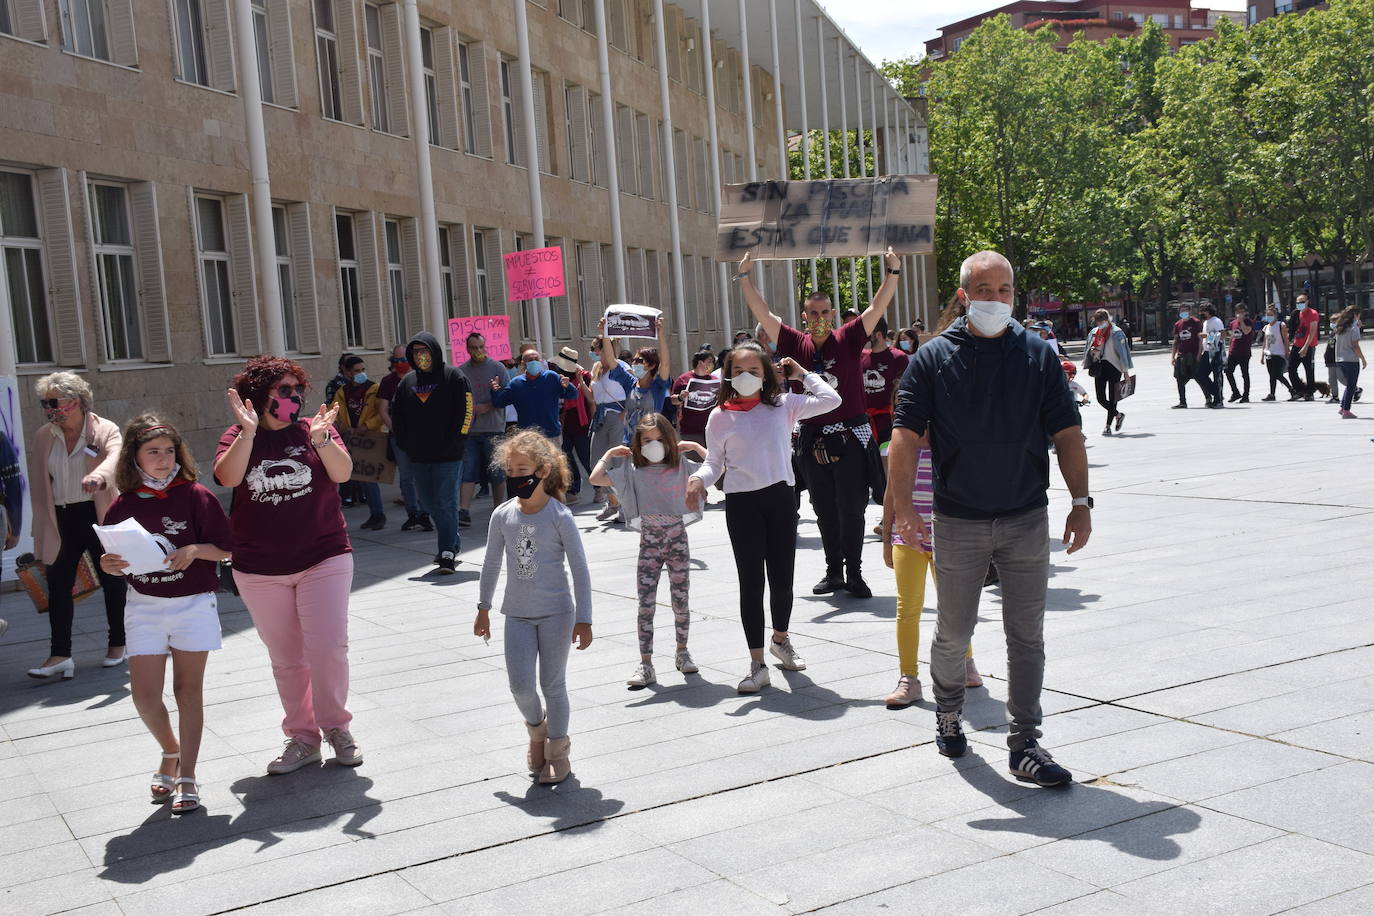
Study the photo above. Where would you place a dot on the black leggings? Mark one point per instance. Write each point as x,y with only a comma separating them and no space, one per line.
1106,379
1239,361
74,528
839,494
1276,365
763,535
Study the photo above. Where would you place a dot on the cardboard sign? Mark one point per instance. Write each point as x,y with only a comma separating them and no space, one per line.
367,448
534,274
833,218
495,328
700,394
626,320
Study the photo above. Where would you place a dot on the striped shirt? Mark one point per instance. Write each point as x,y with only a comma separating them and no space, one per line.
922,494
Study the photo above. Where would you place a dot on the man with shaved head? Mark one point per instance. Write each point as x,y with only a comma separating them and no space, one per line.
987,399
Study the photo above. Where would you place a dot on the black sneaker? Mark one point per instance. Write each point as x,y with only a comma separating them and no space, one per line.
1235,396
1358,392
1217,405
426,523
949,735
464,519
1120,418
447,562
857,587
1181,405
1268,397
374,523
1245,399
1034,764
411,523
832,582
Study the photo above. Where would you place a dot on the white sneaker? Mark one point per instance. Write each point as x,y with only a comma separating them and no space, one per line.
643,676
684,662
784,653
757,679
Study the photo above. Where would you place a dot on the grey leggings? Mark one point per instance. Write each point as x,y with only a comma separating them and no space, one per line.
546,640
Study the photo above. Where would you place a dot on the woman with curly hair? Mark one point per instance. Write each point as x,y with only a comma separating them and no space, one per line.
293,563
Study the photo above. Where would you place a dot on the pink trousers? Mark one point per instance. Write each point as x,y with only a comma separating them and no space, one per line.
303,621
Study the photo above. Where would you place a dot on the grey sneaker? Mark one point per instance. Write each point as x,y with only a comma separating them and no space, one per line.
346,750
784,653
684,662
757,679
643,676
295,755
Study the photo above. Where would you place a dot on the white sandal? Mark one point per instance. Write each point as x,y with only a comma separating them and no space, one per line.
162,785
186,802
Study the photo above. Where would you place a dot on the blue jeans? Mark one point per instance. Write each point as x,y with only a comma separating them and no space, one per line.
405,477
373,492
1351,372
437,486
477,454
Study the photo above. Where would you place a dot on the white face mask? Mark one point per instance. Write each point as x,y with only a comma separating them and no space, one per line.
988,316
653,451
746,384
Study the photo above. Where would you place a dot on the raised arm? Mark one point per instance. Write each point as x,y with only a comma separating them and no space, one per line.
757,307
607,350
664,363
883,299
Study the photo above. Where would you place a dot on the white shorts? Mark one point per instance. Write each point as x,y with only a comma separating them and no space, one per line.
152,625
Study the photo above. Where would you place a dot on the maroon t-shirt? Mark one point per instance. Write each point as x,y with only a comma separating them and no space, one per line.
1188,335
839,362
697,401
882,371
285,516
386,388
184,514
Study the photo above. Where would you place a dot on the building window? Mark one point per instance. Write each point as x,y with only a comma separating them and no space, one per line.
376,68
514,154
276,57
431,82
21,268
395,277
465,83
349,285
84,28
114,255
327,53
266,82
479,265
282,236
446,273
190,32
212,246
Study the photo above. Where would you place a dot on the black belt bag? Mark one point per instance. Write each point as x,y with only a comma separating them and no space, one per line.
828,448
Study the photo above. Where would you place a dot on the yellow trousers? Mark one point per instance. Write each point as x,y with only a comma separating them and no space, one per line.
911,566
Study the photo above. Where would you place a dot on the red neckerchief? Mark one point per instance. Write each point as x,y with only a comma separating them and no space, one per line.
145,490
742,403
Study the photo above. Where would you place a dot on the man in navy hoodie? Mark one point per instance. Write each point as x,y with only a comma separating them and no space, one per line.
988,399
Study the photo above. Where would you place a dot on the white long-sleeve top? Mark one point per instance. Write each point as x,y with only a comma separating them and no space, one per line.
755,446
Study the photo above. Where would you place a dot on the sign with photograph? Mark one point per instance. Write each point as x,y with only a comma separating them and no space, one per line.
534,274
626,320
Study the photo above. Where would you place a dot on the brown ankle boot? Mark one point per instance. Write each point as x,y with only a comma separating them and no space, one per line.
558,766
539,736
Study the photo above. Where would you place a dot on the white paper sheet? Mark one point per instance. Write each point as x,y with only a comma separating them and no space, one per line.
132,541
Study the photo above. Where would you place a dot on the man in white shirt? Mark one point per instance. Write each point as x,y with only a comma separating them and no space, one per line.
1214,355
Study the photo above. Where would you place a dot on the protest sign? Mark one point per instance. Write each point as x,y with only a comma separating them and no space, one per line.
701,394
626,320
367,448
533,274
832,218
495,328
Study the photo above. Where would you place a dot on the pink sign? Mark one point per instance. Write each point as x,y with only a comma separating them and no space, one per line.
534,274
495,328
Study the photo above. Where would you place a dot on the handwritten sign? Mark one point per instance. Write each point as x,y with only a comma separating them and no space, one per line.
495,328
833,218
534,274
626,320
367,448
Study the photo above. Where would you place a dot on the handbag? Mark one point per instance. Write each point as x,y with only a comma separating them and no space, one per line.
1125,388
34,578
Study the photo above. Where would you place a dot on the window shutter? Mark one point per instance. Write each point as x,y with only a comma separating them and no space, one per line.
350,80
415,286
682,169
152,299
64,300
672,33
458,257
481,98
282,52
496,274
577,142
303,278
601,147
541,119
644,141
445,93
518,125
119,22
369,280
616,15
29,21
395,70
219,44
634,275
692,293
592,301
563,305
625,149
243,277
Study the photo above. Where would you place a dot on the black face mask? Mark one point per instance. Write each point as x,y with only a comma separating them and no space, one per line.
523,486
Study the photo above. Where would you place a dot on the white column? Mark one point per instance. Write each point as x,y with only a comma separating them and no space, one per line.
603,66
670,184
844,133
863,164
899,299
522,41
784,173
825,135
805,121
419,126
264,237
748,80
709,61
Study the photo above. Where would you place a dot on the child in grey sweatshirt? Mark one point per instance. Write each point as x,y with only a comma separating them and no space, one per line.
534,534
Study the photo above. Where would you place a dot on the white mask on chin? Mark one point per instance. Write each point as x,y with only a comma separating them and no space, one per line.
988,316
653,451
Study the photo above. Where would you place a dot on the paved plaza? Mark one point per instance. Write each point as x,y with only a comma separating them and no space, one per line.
1209,684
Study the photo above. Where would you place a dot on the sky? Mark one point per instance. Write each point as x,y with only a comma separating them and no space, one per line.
884,34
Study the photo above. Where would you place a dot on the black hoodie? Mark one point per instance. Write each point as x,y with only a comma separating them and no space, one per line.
431,411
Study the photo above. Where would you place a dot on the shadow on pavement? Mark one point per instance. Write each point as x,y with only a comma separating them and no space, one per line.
570,804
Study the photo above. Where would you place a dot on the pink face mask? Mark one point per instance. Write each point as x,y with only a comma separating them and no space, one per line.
287,409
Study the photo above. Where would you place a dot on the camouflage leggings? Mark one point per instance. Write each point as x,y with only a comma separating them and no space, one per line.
662,542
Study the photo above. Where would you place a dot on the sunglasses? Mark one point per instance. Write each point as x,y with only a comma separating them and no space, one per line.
398,359
55,403
286,391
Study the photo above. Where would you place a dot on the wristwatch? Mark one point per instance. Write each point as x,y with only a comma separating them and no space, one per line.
895,273
1083,501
